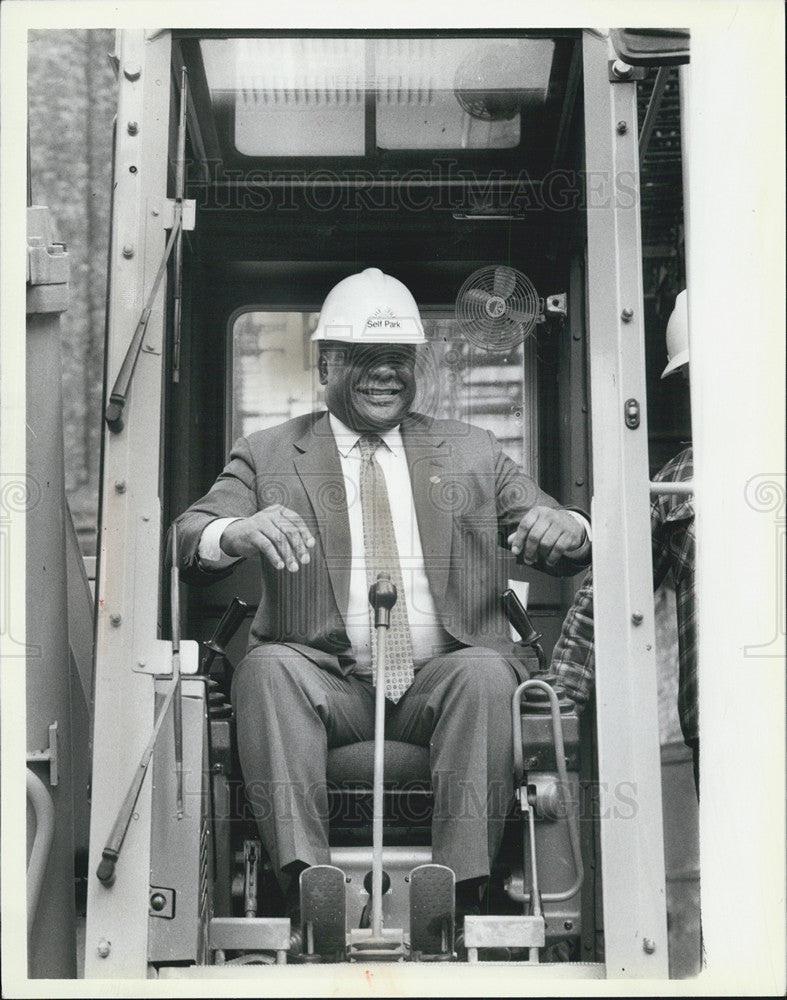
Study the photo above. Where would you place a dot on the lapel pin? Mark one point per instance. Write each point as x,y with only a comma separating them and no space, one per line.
434,479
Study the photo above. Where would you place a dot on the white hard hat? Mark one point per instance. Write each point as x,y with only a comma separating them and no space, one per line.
370,308
678,335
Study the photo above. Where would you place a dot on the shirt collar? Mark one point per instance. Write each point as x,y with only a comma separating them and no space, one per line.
347,439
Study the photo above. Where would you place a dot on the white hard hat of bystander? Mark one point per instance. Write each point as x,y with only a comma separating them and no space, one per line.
678,335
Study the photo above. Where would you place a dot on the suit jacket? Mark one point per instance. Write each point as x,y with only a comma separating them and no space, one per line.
468,497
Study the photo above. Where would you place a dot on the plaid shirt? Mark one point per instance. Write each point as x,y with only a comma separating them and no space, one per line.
673,540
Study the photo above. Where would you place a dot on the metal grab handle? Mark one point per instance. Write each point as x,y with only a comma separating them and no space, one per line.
117,398
560,757
111,852
180,187
41,801
684,488
109,856
113,414
177,709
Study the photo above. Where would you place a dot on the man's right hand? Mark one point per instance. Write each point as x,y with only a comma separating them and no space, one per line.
276,532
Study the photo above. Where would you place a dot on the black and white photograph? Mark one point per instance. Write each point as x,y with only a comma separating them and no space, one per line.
392,503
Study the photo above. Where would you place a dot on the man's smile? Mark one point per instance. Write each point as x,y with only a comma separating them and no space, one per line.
380,392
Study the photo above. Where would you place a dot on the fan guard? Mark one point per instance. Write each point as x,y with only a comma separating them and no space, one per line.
497,308
477,83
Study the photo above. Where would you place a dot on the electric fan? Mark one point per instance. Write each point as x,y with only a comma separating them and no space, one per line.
481,83
497,308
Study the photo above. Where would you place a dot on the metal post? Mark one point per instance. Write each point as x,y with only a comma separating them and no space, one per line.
632,850
128,582
52,940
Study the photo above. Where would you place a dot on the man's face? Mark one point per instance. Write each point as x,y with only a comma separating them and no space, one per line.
368,387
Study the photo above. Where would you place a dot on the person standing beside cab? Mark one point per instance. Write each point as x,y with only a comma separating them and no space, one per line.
673,542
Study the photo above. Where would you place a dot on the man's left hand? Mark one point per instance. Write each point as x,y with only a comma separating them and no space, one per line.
546,534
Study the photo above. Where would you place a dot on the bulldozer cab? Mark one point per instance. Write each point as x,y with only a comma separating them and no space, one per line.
497,174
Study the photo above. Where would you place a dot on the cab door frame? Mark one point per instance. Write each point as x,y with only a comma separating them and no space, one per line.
128,652
631,834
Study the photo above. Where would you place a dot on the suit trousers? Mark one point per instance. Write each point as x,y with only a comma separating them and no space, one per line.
289,712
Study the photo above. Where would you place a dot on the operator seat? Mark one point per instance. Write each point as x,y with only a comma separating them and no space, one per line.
354,764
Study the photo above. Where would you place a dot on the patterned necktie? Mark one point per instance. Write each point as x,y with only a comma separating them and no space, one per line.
382,556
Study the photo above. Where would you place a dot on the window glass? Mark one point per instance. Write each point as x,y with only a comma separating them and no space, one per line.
273,378
457,93
335,96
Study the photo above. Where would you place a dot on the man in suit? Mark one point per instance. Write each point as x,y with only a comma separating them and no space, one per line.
324,502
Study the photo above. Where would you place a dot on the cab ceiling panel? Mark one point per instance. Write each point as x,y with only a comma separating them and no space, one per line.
393,106
278,235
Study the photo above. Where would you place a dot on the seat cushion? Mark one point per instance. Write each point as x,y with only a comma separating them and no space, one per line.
353,764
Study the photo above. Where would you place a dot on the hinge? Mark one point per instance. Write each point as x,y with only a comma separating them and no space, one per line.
623,72
167,213
556,305
49,756
554,311
48,266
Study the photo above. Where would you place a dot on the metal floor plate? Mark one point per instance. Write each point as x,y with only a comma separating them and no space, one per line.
323,909
432,910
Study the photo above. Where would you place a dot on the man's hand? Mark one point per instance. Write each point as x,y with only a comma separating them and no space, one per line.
546,534
276,532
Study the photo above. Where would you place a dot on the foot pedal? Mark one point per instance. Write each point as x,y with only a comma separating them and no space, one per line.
432,910
323,907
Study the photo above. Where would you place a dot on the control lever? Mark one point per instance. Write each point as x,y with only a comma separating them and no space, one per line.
520,619
228,625
382,597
